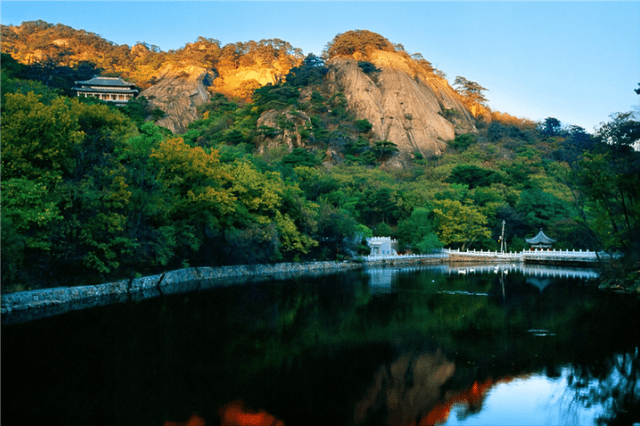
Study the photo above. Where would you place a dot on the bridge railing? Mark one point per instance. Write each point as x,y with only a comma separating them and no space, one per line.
569,254
438,255
485,253
578,255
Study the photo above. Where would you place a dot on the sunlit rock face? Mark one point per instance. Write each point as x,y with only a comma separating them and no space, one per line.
179,90
405,106
242,81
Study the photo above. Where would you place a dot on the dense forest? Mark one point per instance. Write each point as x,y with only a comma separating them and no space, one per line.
93,193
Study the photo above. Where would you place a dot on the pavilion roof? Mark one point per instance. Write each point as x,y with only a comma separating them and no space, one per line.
106,90
106,81
540,239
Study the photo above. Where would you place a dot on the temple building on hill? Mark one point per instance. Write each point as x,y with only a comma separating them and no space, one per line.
110,89
540,241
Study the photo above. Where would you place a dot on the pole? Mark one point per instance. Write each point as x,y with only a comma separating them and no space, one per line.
502,239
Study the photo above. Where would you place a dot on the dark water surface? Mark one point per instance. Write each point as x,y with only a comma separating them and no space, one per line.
380,346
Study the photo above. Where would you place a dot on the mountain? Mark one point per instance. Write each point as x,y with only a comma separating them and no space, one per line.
403,105
404,99
409,105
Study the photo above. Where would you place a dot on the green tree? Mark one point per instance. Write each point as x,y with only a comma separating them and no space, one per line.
551,127
383,230
429,243
610,179
464,141
310,72
335,228
363,125
413,229
541,209
195,180
458,223
417,232
384,150
474,176
38,140
300,157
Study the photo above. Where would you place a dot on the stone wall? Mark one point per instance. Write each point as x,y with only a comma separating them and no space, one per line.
28,305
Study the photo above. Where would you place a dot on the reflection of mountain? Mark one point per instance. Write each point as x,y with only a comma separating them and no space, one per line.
413,387
472,398
405,389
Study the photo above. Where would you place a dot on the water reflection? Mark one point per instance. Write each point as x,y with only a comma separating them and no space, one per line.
612,382
422,389
390,346
382,278
405,389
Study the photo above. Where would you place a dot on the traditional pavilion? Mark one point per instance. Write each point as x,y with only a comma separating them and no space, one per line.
540,241
110,89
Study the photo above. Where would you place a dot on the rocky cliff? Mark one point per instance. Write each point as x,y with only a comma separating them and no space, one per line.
407,102
178,91
289,136
179,88
416,110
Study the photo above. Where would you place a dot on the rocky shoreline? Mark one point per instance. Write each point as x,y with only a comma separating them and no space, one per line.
29,305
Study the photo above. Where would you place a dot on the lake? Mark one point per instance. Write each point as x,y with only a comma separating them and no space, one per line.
399,346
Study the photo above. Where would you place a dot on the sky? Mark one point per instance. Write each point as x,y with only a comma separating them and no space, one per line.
578,62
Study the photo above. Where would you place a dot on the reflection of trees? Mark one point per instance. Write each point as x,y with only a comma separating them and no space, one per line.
613,383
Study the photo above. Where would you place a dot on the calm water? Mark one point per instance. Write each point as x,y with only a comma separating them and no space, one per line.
382,346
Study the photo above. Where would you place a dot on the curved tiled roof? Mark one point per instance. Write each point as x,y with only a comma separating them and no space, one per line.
106,81
106,89
540,239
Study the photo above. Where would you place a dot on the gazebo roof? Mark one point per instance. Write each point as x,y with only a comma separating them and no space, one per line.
540,239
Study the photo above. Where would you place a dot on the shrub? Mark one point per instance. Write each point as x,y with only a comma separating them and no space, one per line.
363,125
462,142
368,67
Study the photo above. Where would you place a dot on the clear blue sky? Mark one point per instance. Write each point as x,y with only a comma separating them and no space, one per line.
575,61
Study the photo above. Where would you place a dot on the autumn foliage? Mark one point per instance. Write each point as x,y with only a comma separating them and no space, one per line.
361,41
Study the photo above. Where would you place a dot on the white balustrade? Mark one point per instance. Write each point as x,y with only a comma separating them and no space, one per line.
538,254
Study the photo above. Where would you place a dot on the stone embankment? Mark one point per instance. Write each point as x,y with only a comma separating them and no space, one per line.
407,259
28,305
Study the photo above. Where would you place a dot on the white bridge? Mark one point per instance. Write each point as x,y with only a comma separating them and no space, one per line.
529,256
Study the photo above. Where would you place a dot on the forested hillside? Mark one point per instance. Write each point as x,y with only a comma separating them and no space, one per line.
93,193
